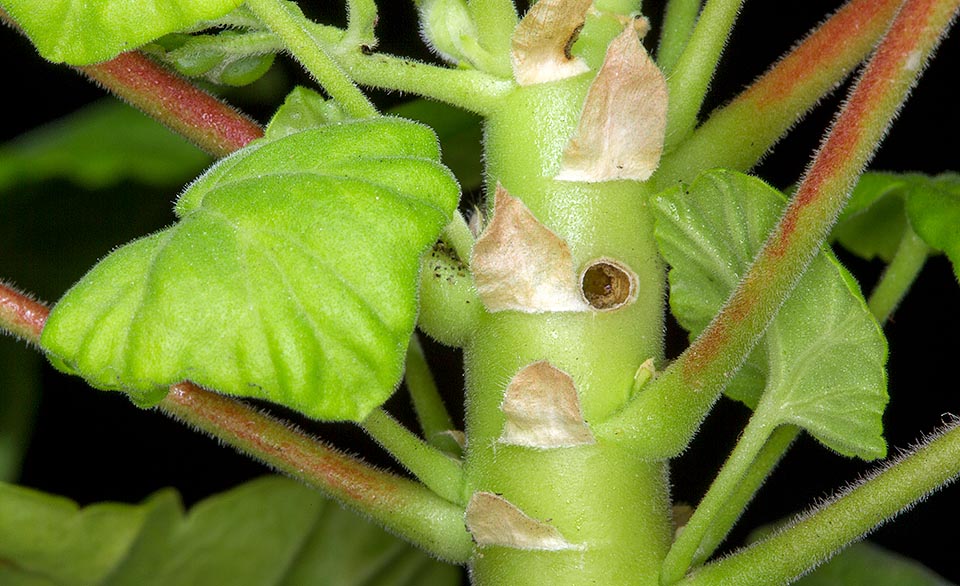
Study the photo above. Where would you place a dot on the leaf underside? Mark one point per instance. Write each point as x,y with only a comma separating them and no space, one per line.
821,361
291,276
272,531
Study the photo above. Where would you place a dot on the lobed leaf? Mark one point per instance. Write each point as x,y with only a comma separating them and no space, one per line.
821,361
933,208
78,32
47,539
290,277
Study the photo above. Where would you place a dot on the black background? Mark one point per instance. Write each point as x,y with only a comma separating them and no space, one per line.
94,446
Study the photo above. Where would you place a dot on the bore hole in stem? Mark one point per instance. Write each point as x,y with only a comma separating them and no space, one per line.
607,284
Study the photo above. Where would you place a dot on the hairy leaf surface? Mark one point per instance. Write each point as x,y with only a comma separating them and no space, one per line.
291,276
270,531
821,362
80,32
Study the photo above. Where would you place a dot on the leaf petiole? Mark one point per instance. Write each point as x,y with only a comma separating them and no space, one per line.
911,255
294,30
438,471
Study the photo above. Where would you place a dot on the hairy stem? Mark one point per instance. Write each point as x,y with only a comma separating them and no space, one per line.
21,315
495,21
435,420
438,471
716,505
405,507
465,88
288,23
664,417
763,465
899,275
678,22
753,122
211,124
818,535
690,77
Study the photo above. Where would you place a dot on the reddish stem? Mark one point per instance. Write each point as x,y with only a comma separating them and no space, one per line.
20,314
213,125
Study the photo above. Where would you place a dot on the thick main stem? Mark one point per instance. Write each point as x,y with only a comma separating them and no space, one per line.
609,502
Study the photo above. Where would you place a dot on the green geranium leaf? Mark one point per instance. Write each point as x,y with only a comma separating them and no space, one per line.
101,145
50,540
79,32
933,207
821,362
291,276
303,108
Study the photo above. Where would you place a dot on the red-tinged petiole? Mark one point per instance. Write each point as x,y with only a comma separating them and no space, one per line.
664,418
760,116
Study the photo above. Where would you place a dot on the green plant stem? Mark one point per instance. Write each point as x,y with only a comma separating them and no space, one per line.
405,507
432,414
361,20
818,535
763,465
495,21
465,88
458,235
717,500
899,275
664,417
689,79
678,22
438,471
766,111
295,31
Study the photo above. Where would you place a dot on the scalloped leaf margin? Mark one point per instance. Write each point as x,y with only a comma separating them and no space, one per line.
290,277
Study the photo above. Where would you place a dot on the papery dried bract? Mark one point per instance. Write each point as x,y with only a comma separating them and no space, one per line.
622,126
541,43
519,264
493,520
542,409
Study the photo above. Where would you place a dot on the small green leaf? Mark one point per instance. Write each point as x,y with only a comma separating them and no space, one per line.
821,362
303,108
101,145
79,32
50,540
227,57
934,211
291,276
865,564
